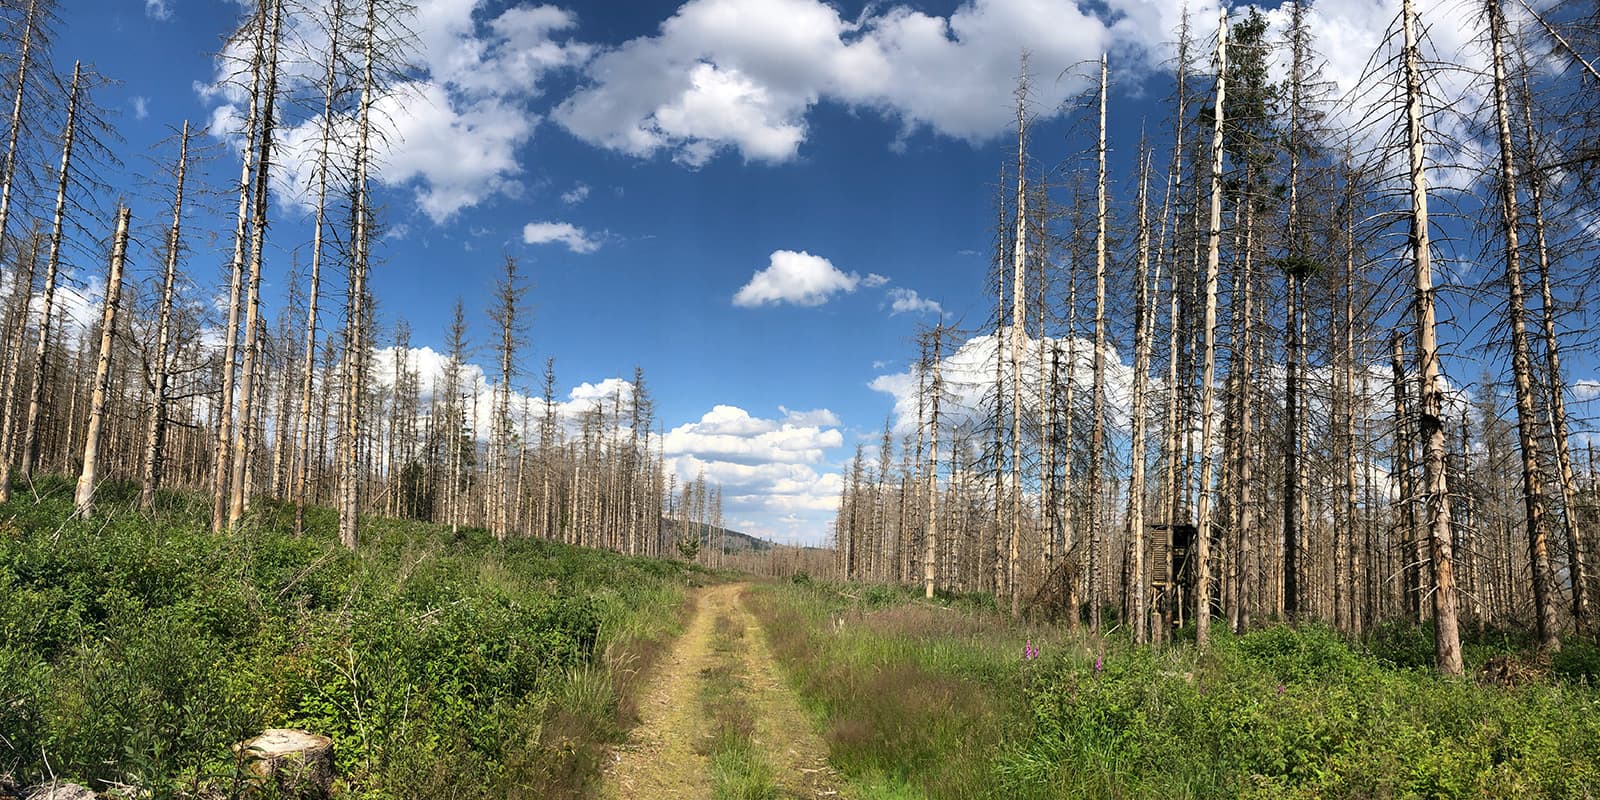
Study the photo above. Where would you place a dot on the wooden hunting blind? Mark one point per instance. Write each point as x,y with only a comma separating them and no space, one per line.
1171,574
1169,554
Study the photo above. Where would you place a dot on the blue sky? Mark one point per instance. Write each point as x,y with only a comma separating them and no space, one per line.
732,194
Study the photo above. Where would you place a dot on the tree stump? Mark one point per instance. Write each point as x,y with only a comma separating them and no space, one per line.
60,790
297,763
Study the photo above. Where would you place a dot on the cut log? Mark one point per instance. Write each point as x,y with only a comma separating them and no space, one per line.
60,790
297,763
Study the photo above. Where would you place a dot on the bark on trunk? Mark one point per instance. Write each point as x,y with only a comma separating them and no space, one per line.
83,499
156,428
1447,638
1533,495
30,431
1202,544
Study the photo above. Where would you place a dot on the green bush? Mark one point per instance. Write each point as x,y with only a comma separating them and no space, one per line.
1310,652
1297,712
136,650
1402,644
1578,660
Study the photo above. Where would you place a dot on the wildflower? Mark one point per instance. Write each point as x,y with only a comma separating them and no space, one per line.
1029,652
1098,664
1280,689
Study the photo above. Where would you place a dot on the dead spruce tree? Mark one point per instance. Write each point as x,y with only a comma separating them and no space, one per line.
266,121
1202,548
332,90
83,152
1447,639
1533,481
88,478
383,43
1554,385
157,419
29,96
1018,335
253,35
507,314
1097,401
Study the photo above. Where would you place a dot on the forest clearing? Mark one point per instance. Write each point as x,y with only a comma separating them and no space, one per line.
1236,365
452,665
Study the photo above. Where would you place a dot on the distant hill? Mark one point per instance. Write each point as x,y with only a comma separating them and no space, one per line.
736,542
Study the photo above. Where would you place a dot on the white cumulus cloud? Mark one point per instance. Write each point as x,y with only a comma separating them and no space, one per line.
793,277
968,376
575,238
907,301
743,75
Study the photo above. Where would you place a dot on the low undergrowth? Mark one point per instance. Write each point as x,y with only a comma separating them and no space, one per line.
136,650
941,700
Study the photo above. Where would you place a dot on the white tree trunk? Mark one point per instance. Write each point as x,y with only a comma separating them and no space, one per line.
83,499
1202,542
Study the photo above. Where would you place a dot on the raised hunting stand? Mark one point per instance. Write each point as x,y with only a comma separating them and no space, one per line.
1172,576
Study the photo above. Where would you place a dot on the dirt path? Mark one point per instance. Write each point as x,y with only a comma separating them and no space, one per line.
662,758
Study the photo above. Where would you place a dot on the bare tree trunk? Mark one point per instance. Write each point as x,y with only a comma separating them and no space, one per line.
244,438
1244,380
1353,561
1447,637
1291,437
1174,491
83,499
13,362
330,93
1143,326
1521,359
1097,404
547,449
1202,548
8,172
1576,547
930,535
1069,403
1018,308
1044,390
156,429
223,477
1414,585
355,341
30,431
517,523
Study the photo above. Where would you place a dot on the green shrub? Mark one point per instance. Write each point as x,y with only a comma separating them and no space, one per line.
139,650
1293,655
1578,660
1402,644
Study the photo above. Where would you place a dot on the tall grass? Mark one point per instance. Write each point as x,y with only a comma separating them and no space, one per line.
915,700
137,650
736,766
938,700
